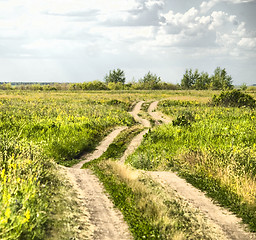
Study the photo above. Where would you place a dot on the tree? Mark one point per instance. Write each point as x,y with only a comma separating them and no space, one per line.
150,81
189,79
203,81
115,76
220,80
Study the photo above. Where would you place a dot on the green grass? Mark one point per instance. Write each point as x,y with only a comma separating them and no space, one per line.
36,130
215,150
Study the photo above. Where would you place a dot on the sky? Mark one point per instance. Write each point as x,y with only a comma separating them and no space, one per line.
82,40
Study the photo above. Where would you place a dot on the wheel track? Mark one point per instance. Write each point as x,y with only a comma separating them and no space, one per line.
106,222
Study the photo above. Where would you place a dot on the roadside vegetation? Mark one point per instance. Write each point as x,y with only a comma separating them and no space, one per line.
116,80
213,147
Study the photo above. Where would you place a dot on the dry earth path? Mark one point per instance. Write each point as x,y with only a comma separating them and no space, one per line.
106,222
228,223
136,141
158,116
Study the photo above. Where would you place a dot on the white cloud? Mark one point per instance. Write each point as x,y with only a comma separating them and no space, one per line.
247,43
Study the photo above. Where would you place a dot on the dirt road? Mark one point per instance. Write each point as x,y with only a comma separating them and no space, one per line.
106,222
136,141
158,116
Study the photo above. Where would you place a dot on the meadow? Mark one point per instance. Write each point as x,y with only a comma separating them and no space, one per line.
212,147
38,130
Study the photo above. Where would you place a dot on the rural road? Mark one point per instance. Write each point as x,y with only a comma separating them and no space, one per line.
107,222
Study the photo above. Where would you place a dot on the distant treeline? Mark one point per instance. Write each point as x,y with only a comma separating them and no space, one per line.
115,80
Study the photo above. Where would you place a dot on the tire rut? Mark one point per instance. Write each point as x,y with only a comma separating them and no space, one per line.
106,222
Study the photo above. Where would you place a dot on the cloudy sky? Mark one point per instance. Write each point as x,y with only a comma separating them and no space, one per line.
81,40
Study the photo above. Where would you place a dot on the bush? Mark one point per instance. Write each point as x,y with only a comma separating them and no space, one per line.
184,119
234,98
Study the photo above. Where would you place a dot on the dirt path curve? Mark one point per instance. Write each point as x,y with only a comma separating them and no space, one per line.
229,223
136,141
135,113
106,222
103,146
158,116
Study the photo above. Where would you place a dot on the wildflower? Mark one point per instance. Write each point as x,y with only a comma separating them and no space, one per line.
8,213
27,214
3,173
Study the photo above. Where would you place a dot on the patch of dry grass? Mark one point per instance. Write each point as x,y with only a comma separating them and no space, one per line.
175,218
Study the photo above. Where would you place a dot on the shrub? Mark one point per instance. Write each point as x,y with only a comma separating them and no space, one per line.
184,119
234,98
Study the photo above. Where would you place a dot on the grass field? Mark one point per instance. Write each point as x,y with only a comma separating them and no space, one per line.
215,148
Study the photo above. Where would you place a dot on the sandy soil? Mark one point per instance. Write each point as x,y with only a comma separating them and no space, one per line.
106,222
158,116
136,141
228,223
103,146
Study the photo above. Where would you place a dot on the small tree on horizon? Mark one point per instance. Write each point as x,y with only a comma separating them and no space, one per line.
221,80
115,76
150,81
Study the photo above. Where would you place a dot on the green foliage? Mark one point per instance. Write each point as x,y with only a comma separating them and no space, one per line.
6,86
243,87
94,85
185,119
150,81
219,80
115,76
189,79
27,185
234,98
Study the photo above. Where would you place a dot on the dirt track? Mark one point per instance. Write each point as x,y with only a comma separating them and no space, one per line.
107,222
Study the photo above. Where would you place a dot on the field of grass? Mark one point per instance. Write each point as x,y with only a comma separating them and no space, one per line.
38,130
214,148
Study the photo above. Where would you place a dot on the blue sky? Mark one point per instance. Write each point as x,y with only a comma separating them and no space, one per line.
81,40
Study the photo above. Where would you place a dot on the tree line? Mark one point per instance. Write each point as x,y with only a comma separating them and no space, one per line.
116,80
220,80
